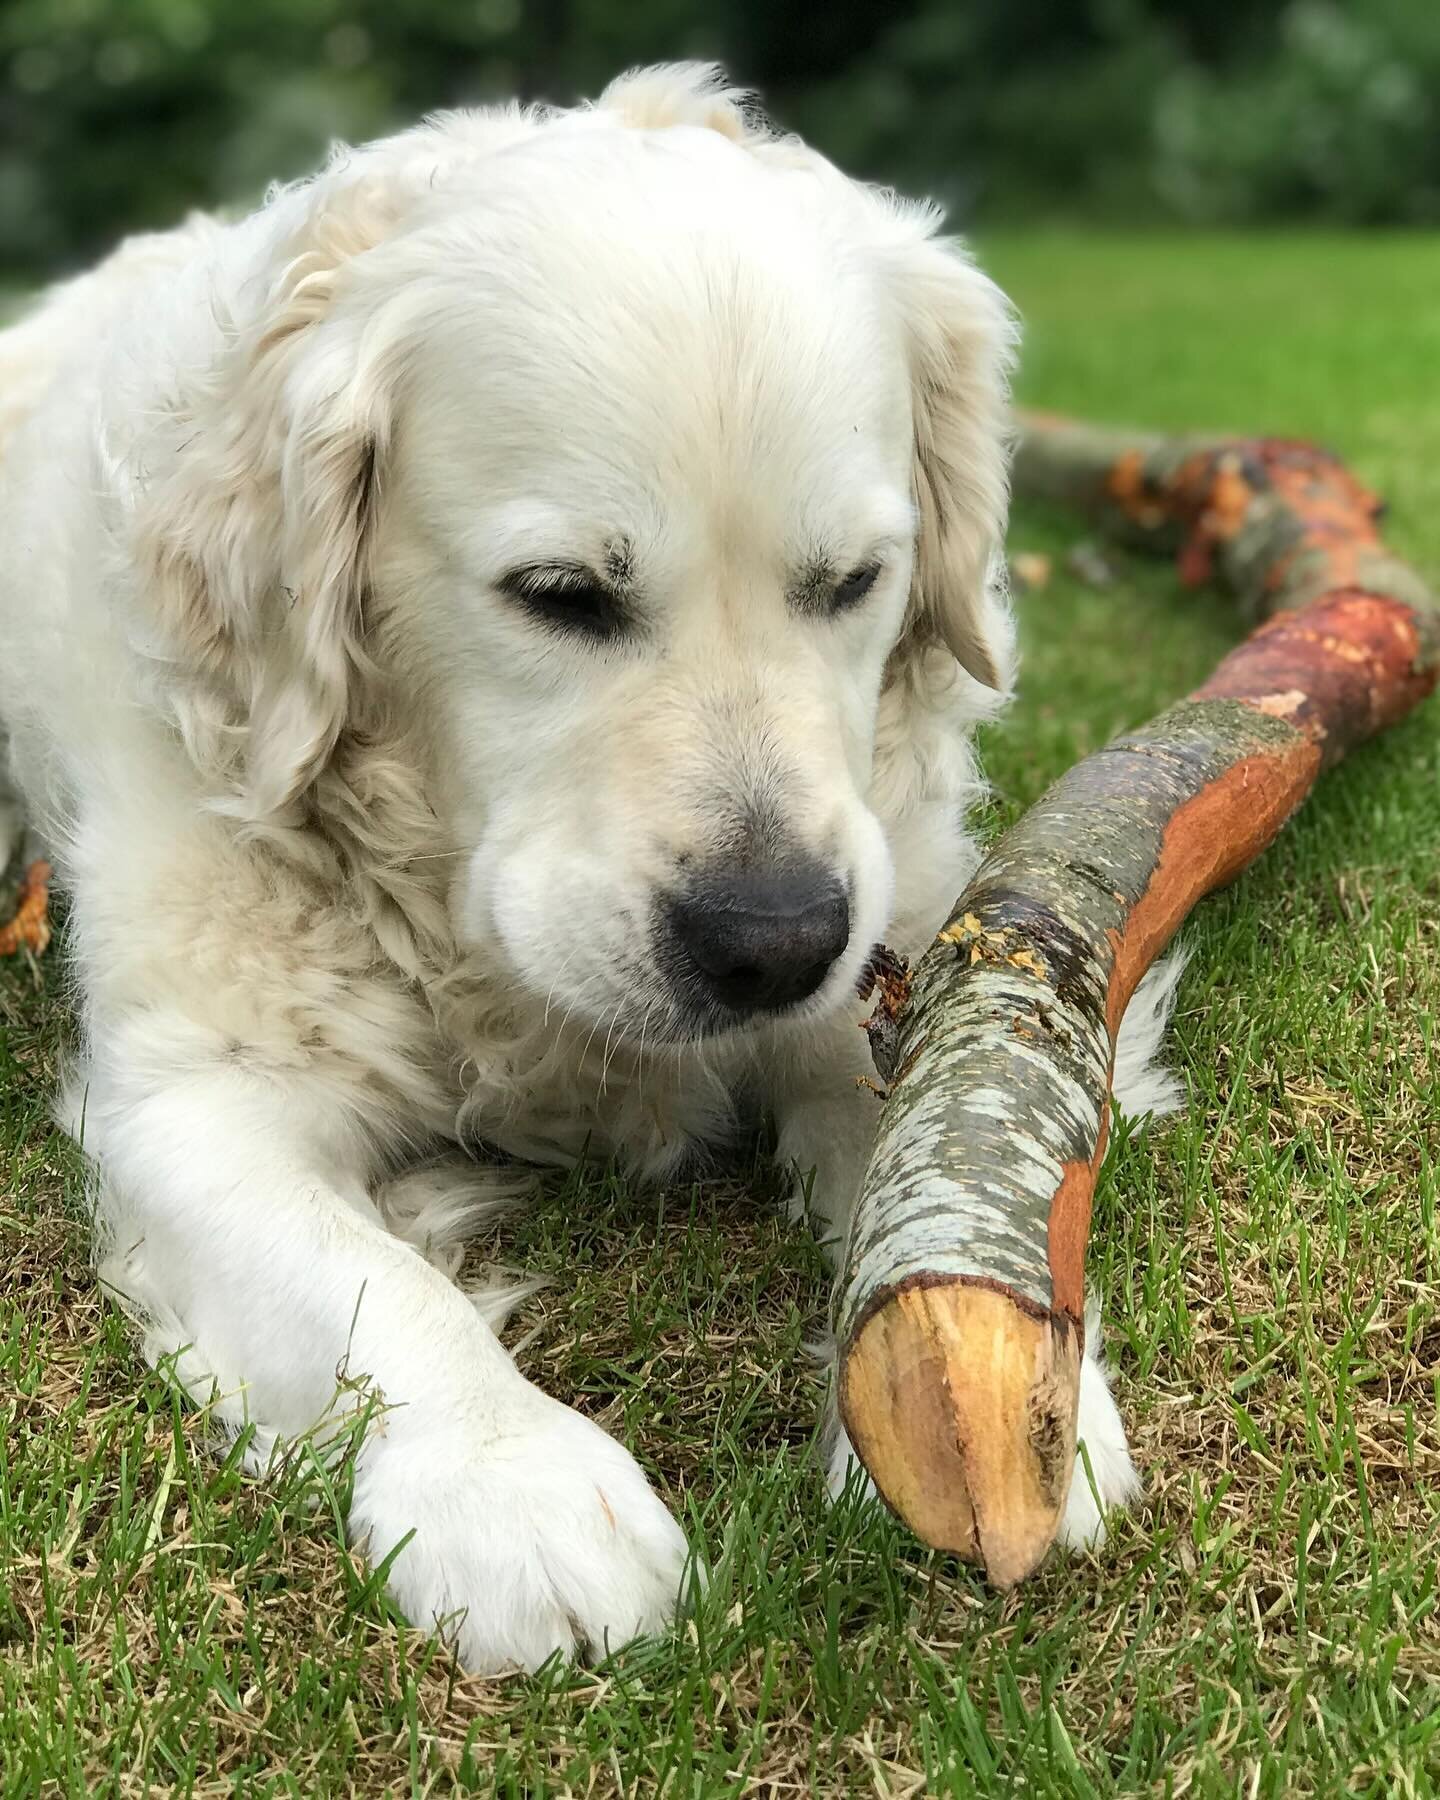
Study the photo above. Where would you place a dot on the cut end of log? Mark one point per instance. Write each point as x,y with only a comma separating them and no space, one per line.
962,1404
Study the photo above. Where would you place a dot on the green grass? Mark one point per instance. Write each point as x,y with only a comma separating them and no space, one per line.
1264,1624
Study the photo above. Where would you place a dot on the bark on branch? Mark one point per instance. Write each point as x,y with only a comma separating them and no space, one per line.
28,917
961,1310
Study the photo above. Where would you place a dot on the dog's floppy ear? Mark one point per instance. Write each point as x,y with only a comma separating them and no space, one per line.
256,529
960,336
332,440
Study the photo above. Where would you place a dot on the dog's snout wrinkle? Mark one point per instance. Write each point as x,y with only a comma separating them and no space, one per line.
761,942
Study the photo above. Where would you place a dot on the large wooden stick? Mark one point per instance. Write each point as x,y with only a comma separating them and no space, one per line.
961,1310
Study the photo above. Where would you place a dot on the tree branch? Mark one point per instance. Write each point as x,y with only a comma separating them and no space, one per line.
961,1310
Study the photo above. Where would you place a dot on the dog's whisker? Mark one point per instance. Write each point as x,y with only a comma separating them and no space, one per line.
584,1054
578,1000
559,973
605,1055
640,1054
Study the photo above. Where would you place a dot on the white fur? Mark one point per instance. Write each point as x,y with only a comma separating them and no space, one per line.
1142,1085
363,859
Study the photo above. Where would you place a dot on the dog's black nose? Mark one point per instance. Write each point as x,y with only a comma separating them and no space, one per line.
759,943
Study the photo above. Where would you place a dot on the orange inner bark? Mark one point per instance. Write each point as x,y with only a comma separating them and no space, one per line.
1210,839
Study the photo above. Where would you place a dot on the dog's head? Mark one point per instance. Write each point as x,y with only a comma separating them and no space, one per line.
640,453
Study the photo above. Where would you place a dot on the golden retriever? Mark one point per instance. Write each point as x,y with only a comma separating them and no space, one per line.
492,641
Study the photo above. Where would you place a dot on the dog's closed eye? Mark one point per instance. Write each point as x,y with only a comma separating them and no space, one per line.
856,585
820,594
567,597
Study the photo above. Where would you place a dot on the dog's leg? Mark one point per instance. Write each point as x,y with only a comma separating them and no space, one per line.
826,1107
238,1225
441,1205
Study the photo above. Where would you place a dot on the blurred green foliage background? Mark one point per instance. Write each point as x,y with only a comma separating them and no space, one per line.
118,114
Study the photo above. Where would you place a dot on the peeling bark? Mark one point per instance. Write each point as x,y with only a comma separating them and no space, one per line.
29,925
960,1312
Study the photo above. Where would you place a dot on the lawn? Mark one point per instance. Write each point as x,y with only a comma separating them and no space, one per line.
1265,1623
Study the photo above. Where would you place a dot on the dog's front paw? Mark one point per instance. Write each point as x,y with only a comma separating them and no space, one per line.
540,1535
1110,1479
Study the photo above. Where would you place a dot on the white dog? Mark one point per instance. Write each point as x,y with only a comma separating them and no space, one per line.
491,642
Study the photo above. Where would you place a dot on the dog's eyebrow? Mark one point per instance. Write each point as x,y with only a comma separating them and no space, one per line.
620,563
813,585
